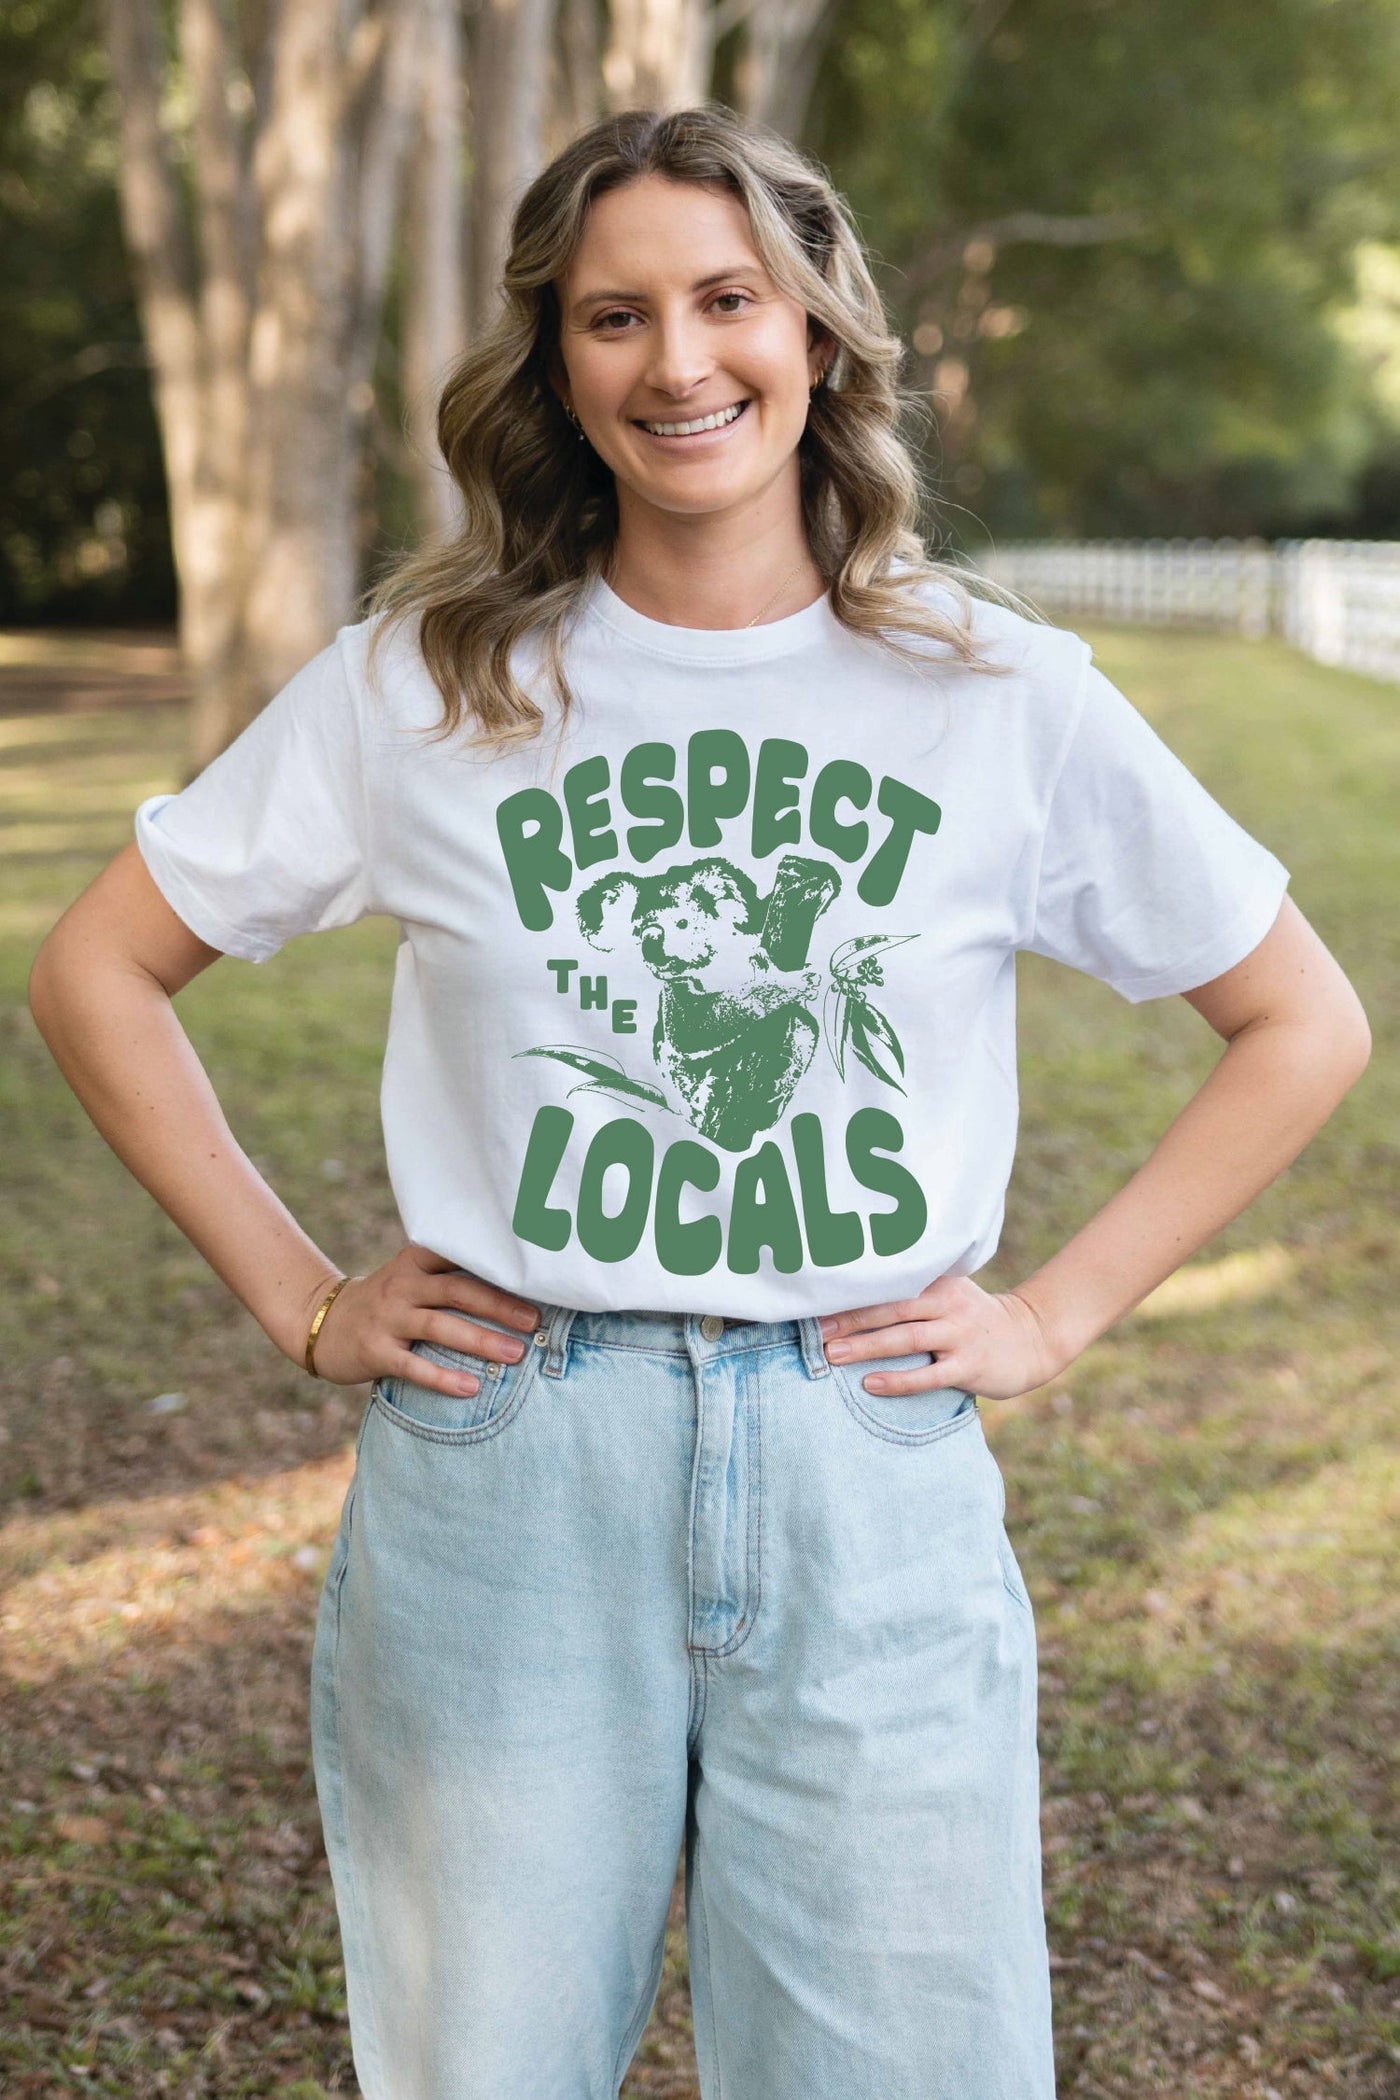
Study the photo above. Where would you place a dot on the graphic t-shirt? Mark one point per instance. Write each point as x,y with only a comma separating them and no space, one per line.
708,1003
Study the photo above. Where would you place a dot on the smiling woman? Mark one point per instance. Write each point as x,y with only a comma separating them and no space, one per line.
713,373
661,278
699,1106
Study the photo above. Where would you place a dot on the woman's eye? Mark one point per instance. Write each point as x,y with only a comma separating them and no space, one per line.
620,313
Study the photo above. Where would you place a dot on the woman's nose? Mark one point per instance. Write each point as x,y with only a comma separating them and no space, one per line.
679,363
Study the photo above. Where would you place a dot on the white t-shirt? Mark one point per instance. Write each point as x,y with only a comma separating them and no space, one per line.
710,1006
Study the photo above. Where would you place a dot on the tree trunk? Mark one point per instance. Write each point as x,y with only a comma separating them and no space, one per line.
263,350
509,57
434,312
660,54
777,68
578,99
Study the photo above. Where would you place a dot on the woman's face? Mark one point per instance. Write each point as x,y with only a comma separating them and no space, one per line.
668,316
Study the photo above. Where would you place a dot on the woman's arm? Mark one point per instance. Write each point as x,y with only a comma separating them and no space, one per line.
100,990
1296,1040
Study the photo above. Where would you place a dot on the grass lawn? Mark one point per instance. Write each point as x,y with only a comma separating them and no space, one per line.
1206,1507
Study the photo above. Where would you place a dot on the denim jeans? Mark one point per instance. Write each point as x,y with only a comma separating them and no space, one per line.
671,1580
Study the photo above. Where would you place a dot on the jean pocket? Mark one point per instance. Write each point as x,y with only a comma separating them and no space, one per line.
457,1418
904,1418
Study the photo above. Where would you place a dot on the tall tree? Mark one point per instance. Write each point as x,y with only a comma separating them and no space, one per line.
435,322
260,240
764,54
509,43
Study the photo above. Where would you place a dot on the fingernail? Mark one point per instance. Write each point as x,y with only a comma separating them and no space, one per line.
827,1325
838,1350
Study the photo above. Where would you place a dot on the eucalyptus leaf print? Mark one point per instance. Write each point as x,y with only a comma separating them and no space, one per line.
850,1018
603,1074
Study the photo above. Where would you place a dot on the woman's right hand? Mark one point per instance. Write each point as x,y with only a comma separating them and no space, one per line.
367,1331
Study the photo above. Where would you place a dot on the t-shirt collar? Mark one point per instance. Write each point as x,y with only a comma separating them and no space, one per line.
711,644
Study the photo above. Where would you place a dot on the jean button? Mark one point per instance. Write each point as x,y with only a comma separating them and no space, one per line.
711,1327
541,1337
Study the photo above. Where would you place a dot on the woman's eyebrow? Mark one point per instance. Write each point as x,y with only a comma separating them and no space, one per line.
701,284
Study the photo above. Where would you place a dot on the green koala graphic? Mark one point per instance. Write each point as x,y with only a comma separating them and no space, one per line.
734,1030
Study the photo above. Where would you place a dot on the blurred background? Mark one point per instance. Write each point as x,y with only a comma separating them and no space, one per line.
1146,262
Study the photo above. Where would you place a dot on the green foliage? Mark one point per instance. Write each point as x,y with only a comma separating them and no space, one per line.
1199,373
850,1017
83,527
603,1074
1185,375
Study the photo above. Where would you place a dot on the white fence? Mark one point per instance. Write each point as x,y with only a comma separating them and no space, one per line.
1337,600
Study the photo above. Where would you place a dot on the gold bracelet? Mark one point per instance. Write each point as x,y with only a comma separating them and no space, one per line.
322,1309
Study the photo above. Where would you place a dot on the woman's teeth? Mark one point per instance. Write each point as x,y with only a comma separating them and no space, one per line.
715,422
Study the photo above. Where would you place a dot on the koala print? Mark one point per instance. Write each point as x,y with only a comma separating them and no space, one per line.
733,1027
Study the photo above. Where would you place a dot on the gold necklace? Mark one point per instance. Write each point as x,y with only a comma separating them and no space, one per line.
769,600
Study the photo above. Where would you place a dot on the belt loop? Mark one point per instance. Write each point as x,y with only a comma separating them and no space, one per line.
557,1330
813,1348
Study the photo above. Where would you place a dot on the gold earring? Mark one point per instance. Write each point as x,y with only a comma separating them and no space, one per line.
817,381
569,412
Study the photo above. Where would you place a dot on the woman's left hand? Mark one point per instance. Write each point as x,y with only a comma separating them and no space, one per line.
990,1344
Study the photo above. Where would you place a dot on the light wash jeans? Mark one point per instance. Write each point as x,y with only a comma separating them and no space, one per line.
670,1580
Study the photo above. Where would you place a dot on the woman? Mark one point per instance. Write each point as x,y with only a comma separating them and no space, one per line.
713,815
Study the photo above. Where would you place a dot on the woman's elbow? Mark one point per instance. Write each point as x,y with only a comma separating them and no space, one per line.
1342,1034
45,980
1359,1043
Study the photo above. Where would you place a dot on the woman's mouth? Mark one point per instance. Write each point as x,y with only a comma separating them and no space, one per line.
693,430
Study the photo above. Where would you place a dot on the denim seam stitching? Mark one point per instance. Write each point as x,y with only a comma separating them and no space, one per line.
449,1359
1011,1591
753,1547
901,1436
361,1935
710,1979
691,1629
345,1556
639,2017
637,1349
699,1689
753,1539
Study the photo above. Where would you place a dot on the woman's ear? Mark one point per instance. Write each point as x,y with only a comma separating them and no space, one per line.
821,348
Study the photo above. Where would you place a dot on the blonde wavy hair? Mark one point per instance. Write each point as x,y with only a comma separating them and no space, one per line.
540,511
